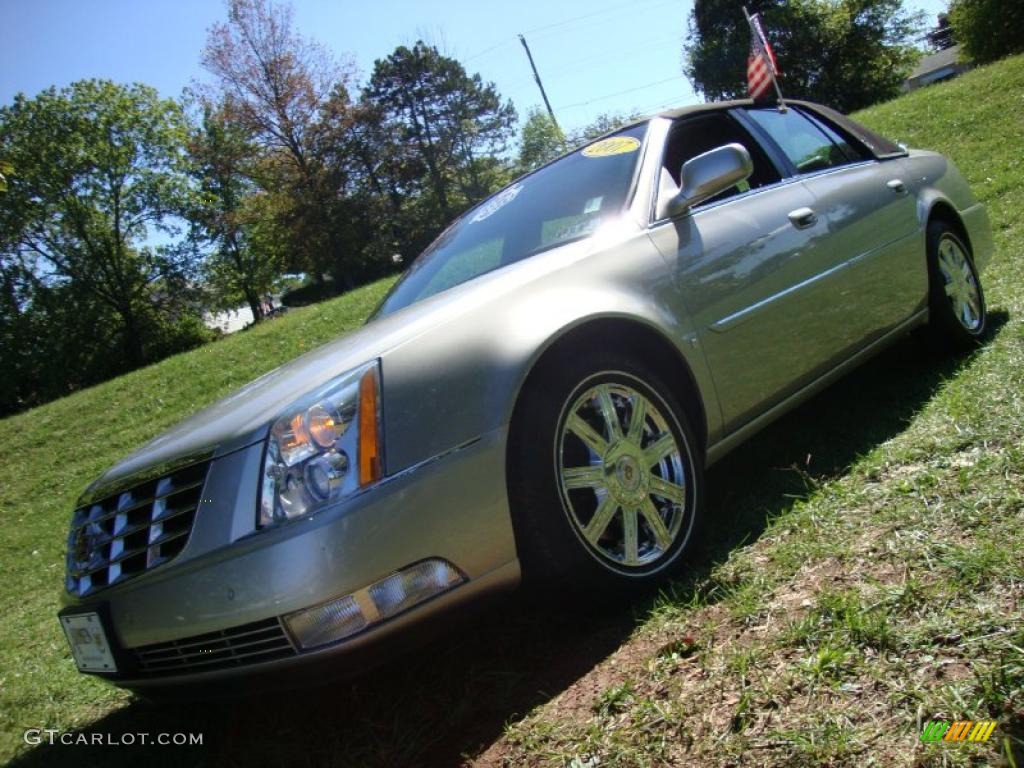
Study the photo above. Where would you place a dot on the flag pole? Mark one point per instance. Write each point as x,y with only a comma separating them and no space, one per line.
771,64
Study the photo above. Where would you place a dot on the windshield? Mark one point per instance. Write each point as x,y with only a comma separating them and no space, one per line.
561,202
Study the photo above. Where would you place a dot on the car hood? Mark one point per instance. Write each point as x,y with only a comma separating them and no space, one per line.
243,417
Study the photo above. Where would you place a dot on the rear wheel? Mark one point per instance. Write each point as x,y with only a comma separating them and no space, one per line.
956,302
605,481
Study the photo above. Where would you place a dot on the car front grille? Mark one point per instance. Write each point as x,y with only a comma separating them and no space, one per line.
129,533
235,647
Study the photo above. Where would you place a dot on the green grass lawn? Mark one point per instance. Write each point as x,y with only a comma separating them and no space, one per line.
865,569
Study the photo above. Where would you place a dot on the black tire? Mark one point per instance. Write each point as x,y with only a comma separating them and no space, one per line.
950,328
554,552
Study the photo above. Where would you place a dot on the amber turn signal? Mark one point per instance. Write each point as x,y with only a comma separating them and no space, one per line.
369,429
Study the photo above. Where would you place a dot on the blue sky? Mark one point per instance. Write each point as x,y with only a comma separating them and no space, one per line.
594,57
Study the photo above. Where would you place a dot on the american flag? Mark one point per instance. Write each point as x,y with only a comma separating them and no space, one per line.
761,65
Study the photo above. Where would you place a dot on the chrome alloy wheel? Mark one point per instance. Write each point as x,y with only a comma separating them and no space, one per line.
961,286
622,475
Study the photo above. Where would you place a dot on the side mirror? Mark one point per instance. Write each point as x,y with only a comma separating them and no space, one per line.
705,175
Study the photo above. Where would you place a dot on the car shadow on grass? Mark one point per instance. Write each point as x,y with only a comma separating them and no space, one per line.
447,701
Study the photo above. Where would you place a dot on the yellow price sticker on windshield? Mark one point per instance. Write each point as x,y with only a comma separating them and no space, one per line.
616,145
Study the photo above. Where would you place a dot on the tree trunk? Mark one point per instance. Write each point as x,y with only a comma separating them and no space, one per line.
254,304
132,337
251,296
420,122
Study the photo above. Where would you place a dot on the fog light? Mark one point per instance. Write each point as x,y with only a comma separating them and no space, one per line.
337,619
327,622
412,585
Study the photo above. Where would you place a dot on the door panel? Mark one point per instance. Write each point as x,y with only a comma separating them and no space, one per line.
871,220
872,224
762,291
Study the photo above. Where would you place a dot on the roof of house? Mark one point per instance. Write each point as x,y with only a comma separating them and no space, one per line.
934,61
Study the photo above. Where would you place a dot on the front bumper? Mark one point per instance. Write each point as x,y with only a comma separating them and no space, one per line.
228,576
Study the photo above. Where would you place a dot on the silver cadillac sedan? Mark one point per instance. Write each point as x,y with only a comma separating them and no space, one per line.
535,400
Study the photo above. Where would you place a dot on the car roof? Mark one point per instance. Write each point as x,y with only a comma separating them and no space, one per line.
879,146
710,106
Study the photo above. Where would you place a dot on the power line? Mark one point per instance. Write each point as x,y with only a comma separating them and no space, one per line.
619,6
584,31
565,22
589,19
575,66
624,55
485,51
621,93
660,106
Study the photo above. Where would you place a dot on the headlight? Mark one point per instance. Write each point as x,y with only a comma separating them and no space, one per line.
323,448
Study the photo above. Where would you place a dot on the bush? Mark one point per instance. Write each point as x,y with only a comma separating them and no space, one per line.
60,340
988,29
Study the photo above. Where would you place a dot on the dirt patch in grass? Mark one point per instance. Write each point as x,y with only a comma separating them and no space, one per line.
838,663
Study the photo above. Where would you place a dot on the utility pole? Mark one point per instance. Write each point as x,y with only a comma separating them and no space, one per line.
540,85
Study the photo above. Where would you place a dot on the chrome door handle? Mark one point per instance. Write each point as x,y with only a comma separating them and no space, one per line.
802,218
897,186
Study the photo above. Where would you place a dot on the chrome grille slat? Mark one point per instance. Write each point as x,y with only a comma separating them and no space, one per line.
136,552
247,644
130,532
143,526
148,502
173,512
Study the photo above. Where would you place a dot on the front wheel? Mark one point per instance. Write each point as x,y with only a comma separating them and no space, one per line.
956,302
605,478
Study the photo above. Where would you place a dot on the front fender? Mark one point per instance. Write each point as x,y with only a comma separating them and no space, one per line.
938,183
462,378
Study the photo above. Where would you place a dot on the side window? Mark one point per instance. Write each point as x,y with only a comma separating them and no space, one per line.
809,144
877,145
693,136
850,148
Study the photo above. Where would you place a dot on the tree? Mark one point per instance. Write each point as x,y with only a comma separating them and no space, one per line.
600,125
276,79
454,123
231,215
280,85
845,53
541,141
988,29
54,339
99,168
